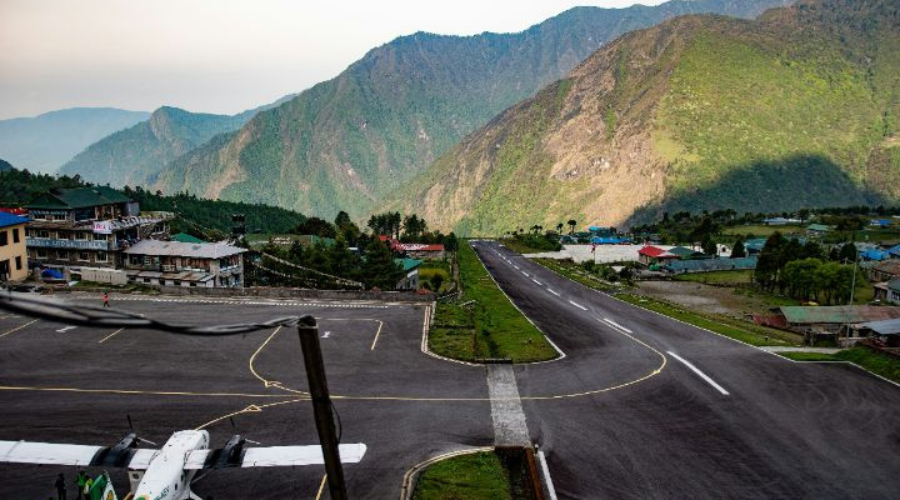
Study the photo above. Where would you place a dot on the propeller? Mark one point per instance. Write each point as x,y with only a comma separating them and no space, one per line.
233,426
138,439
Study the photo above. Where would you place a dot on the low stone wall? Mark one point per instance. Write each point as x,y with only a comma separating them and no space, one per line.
303,293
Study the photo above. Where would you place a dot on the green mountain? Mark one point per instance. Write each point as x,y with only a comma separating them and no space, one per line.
43,143
136,155
345,143
799,108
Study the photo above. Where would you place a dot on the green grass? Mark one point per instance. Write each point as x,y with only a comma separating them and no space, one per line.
739,330
760,231
484,323
479,476
879,363
882,364
577,274
809,356
721,278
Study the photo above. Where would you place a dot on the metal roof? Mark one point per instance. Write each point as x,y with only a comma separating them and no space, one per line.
186,238
886,327
178,249
838,314
7,220
78,198
891,267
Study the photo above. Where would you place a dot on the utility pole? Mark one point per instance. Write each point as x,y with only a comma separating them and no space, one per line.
322,408
853,285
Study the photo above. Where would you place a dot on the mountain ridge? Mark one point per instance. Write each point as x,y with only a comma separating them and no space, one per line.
345,143
701,112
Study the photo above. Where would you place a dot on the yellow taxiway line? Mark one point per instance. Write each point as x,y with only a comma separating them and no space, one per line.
321,487
16,329
111,335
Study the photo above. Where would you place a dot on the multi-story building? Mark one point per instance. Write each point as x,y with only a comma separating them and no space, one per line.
172,263
13,255
88,227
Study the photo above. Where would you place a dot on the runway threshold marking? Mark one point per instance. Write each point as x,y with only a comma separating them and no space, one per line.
576,304
699,373
16,329
111,335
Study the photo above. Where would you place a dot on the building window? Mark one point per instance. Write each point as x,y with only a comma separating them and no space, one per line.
146,280
43,233
84,256
4,239
101,256
15,233
18,263
41,253
81,236
62,255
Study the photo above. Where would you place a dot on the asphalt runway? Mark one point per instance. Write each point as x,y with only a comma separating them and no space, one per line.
621,416
757,427
76,385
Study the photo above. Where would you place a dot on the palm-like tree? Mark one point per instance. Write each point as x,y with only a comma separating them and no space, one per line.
572,224
559,227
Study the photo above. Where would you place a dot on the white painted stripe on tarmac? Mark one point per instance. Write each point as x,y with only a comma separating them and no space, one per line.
538,283
576,304
526,274
699,373
547,480
517,267
620,327
554,292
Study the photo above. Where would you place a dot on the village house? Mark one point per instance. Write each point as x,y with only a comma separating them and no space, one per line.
650,255
885,271
87,227
888,292
13,254
172,263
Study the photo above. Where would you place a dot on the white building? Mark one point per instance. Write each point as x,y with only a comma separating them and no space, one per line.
172,263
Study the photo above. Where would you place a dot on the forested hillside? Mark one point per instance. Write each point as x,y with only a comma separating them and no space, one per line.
798,109
345,143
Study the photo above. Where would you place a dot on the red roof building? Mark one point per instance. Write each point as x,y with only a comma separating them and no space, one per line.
651,255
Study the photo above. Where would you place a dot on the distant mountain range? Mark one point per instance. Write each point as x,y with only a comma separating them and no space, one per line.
43,143
800,108
136,155
344,144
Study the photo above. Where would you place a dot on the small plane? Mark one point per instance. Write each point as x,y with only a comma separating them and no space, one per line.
166,473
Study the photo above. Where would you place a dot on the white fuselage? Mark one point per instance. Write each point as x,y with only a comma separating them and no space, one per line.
166,477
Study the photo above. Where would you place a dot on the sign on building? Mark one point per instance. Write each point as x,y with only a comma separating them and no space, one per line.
103,227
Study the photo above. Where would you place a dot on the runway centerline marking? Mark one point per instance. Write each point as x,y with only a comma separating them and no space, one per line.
526,274
699,373
538,283
4,334
111,335
554,292
576,304
620,327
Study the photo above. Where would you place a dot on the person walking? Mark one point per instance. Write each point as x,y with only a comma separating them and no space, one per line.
87,487
80,481
105,300
60,487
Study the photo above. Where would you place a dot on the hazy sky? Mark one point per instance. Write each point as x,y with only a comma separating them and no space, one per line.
219,56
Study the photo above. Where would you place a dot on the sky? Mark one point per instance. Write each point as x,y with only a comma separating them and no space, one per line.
217,56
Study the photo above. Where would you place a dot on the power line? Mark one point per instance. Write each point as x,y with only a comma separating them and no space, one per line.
92,316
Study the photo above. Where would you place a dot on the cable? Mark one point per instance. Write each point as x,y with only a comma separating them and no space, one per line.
337,417
92,316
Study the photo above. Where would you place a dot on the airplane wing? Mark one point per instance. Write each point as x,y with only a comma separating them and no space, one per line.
24,452
278,456
28,452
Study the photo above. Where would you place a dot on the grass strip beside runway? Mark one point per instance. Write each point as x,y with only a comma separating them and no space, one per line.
729,327
483,323
479,476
